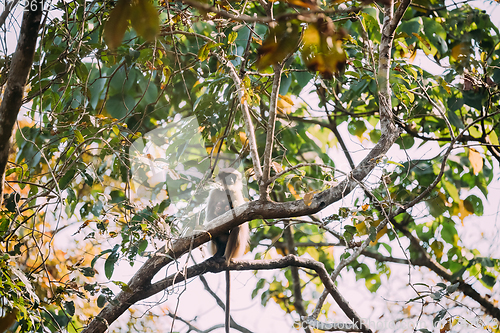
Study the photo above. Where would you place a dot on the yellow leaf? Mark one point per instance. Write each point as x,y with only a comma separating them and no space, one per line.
305,4
464,210
292,190
476,160
445,85
413,55
493,138
427,47
361,228
217,147
250,173
459,51
243,138
308,198
313,252
284,106
144,19
437,247
117,24
379,235
286,98
79,136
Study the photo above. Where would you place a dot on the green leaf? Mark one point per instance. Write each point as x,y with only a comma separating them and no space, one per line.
405,141
408,28
488,280
439,316
69,307
79,136
101,301
204,51
117,196
487,262
109,264
476,203
454,120
4,225
232,37
357,128
67,178
452,288
11,201
87,271
449,233
372,234
375,135
142,246
451,190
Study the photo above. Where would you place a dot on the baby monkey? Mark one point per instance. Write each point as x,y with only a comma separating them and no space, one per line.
232,244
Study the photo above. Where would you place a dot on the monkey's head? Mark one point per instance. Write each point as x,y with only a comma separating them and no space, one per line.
230,178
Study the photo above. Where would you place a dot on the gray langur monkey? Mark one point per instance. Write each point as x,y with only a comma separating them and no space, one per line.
234,243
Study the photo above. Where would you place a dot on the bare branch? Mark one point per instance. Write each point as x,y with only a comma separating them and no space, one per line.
7,10
271,124
240,89
297,288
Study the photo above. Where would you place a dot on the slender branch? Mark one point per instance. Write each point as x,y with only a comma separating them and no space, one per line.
220,303
334,129
297,289
7,10
300,165
367,253
271,124
427,261
240,89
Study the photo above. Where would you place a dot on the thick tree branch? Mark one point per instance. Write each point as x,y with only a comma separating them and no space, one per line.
216,266
22,60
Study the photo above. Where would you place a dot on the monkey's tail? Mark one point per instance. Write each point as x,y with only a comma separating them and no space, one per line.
228,298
